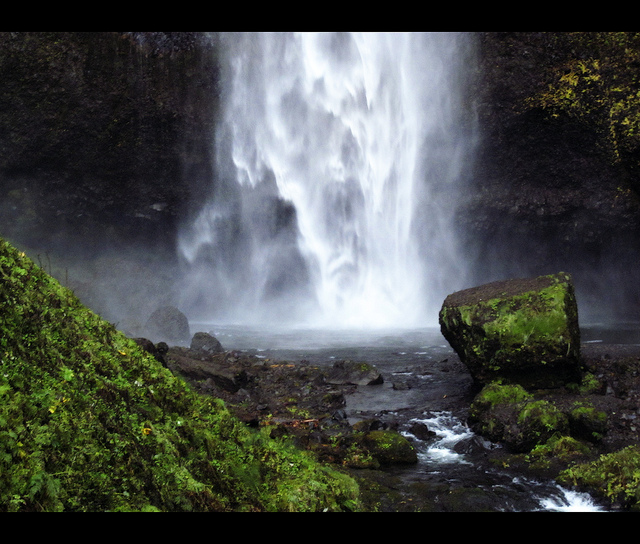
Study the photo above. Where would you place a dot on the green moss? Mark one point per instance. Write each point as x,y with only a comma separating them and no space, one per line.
586,421
599,89
583,409
523,319
390,447
89,422
509,330
511,415
589,384
615,476
557,449
496,393
543,418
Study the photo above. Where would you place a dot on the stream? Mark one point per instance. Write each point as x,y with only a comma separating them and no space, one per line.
425,384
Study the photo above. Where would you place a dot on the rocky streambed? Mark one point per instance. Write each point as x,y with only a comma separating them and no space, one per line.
393,411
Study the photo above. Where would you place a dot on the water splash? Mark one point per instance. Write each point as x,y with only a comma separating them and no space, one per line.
339,159
449,431
570,501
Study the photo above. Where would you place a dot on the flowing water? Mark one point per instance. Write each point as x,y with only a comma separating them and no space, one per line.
340,156
425,383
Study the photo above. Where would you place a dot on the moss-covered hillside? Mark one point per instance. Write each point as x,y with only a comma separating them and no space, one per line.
89,422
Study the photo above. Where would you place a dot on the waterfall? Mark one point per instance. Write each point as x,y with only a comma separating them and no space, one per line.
339,160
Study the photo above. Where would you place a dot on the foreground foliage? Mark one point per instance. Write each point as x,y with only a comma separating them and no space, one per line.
89,422
615,476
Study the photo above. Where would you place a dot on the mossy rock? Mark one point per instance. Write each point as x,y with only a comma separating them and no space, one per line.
614,476
520,331
495,410
587,422
510,415
390,448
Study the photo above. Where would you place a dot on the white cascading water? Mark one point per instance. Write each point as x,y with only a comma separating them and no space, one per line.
367,138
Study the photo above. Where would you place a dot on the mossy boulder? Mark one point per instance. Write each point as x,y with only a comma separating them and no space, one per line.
587,422
354,373
520,331
510,415
389,447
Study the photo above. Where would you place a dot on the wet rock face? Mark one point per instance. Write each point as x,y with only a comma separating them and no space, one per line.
545,196
98,130
523,331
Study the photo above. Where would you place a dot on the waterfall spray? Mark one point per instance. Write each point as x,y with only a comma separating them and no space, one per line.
339,159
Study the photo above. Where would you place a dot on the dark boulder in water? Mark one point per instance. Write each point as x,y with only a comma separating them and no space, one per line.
206,343
355,373
521,331
168,324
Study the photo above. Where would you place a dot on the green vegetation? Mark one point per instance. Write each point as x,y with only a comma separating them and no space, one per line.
495,394
390,447
599,87
615,476
540,421
561,448
90,422
494,399
518,320
541,428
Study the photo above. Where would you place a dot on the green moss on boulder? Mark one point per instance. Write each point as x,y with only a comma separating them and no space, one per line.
522,331
510,415
527,423
587,422
390,447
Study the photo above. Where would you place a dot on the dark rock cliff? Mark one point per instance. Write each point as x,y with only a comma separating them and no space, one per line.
101,135
552,189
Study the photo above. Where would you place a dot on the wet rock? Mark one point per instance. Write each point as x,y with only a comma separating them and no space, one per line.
206,343
367,425
522,331
169,324
354,373
421,431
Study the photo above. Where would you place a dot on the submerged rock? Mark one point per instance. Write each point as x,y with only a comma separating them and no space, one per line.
522,331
